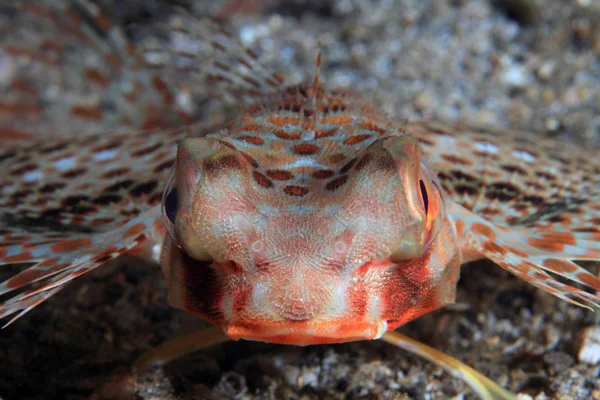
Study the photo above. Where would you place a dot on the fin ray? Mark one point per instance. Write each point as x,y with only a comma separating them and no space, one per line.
66,262
523,253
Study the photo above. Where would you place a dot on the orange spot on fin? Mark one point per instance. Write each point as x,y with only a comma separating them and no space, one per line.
135,230
71,245
546,245
481,229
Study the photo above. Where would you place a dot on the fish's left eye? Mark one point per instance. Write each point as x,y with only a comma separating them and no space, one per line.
424,195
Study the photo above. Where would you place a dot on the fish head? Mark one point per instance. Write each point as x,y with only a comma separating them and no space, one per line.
299,262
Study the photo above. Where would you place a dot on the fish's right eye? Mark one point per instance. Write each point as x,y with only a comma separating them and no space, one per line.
169,207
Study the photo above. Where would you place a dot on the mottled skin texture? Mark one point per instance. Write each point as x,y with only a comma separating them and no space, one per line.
318,162
310,229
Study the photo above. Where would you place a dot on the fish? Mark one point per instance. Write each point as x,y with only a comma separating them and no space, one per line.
296,214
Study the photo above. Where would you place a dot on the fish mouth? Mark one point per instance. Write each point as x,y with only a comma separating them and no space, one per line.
302,333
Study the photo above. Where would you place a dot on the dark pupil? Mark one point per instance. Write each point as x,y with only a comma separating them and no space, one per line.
424,195
171,205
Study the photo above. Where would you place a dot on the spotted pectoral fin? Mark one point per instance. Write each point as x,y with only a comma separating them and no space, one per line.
56,263
537,256
62,60
199,56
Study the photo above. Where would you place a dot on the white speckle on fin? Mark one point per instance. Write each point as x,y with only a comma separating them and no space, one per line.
105,155
447,141
525,156
32,176
486,147
65,163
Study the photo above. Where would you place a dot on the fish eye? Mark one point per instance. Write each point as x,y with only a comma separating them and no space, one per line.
424,196
433,201
169,206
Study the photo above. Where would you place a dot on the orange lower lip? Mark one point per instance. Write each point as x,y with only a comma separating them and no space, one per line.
303,333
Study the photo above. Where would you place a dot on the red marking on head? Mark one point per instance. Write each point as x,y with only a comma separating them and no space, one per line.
280,120
481,229
71,245
369,126
348,166
336,183
262,180
252,140
279,175
305,149
294,190
250,160
352,140
214,166
337,158
321,133
323,174
247,127
282,134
